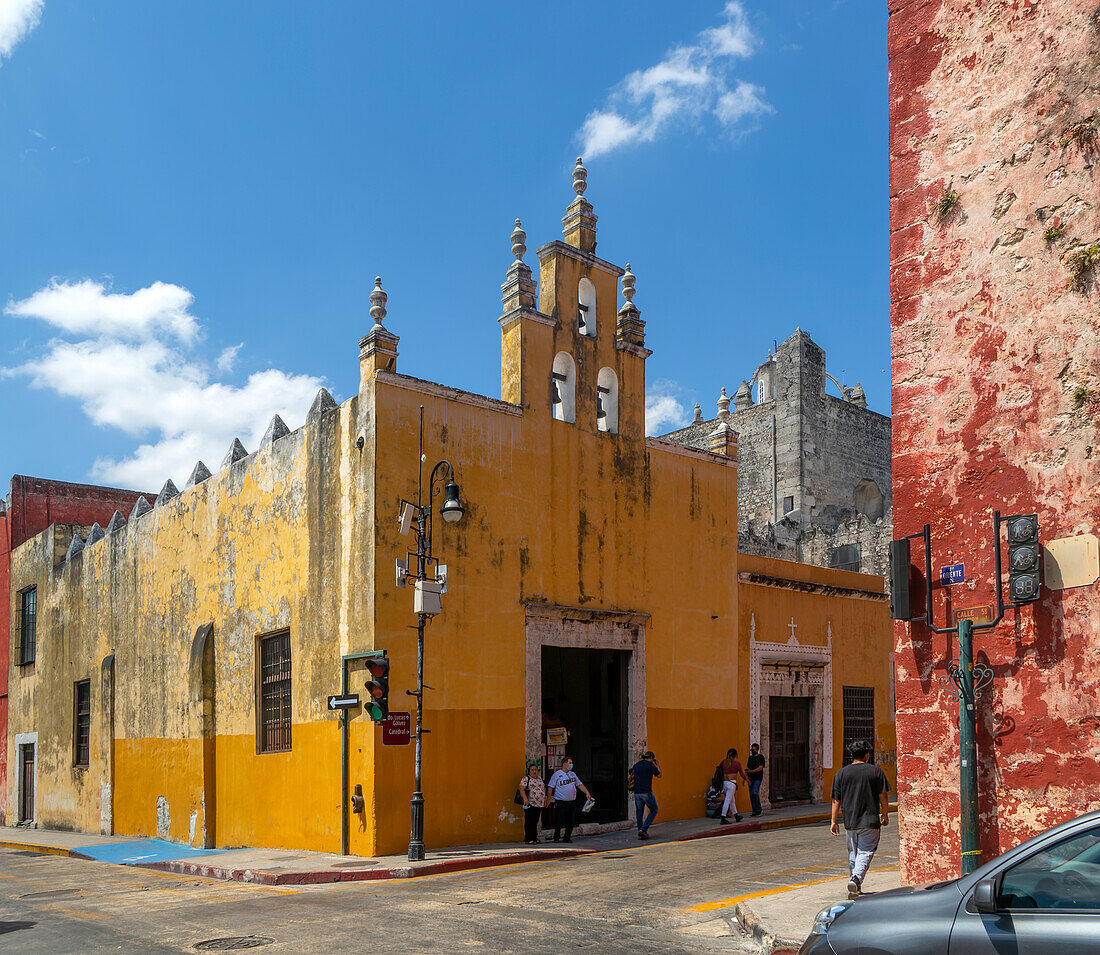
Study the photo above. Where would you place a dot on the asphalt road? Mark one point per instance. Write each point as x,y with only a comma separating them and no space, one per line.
634,899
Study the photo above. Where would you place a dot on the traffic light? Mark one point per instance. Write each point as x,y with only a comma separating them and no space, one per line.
899,579
1023,558
378,689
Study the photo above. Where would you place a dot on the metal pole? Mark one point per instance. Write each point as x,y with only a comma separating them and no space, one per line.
968,753
416,838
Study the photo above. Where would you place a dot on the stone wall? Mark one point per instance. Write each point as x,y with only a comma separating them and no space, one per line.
996,389
824,446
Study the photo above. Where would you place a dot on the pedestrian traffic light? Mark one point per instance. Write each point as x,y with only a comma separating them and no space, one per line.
1023,558
378,689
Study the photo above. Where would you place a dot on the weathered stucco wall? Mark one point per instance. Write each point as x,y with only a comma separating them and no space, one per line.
273,541
996,381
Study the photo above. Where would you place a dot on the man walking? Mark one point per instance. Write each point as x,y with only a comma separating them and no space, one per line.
643,772
754,769
860,791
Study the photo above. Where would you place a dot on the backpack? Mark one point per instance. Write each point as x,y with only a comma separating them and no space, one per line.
718,778
630,779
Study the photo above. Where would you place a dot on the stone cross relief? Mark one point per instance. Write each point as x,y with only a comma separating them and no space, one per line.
792,626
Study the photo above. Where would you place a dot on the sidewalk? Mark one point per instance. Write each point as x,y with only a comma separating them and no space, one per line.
297,867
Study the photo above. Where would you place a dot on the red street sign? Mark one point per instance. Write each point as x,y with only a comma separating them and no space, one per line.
397,729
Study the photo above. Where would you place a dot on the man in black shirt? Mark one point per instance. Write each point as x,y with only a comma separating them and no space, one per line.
860,792
643,771
754,769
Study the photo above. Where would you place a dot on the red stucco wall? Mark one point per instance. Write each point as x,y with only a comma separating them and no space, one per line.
991,345
34,504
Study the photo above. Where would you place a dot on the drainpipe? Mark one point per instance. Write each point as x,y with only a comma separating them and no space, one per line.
775,480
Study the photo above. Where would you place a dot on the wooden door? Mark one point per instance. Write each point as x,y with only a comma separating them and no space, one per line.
27,769
789,729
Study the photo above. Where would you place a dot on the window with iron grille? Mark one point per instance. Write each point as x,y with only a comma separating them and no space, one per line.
275,693
845,557
28,605
82,721
859,716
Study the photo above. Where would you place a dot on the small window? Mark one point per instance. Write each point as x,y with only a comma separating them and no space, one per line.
563,388
788,505
82,721
607,401
28,606
586,309
845,557
274,702
859,717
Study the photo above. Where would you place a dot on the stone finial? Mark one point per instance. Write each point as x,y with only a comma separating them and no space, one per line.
95,534
519,238
743,398
628,285
141,506
857,397
322,405
698,414
378,300
580,178
723,406
235,453
166,493
378,348
277,429
76,545
199,474
580,221
117,522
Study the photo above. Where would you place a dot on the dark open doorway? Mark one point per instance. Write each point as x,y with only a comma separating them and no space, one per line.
789,729
585,690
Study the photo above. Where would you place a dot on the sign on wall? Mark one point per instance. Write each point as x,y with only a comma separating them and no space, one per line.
397,729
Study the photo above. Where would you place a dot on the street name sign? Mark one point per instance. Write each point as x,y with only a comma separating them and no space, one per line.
397,729
343,702
953,574
982,614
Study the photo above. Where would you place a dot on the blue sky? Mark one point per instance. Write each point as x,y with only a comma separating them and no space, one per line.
197,197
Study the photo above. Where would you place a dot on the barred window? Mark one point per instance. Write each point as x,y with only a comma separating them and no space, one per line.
82,721
859,717
28,605
275,693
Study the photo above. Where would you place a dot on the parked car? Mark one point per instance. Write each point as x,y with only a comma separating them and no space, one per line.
1041,898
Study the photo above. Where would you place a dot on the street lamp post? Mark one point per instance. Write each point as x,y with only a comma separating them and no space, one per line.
451,511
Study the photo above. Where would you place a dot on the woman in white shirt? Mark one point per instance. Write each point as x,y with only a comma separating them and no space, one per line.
533,791
563,790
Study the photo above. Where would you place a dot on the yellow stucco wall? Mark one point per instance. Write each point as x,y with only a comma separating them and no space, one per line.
303,535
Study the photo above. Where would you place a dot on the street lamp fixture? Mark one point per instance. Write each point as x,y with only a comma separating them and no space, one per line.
418,518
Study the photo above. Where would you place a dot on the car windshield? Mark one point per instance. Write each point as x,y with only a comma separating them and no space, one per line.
1065,875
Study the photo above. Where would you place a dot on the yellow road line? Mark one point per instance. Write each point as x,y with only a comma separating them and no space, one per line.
30,847
727,903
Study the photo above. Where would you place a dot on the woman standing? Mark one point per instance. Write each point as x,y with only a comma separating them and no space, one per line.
533,791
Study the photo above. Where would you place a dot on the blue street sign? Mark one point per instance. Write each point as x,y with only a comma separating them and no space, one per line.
954,574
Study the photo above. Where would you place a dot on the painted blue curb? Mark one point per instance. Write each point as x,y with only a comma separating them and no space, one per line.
142,851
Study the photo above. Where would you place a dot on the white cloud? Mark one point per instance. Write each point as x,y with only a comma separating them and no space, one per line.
134,368
689,84
17,19
663,410
228,358
89,308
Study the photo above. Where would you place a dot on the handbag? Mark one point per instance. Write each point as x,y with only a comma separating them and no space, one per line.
518,798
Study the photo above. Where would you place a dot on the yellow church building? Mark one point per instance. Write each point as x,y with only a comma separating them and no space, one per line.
595,603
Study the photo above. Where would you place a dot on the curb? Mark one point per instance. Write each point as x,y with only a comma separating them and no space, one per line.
260,877
41,850
769,944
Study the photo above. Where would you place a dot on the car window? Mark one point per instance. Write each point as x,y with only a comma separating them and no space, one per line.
1063,876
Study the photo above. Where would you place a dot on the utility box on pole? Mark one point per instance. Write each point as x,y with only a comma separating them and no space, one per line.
427,597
